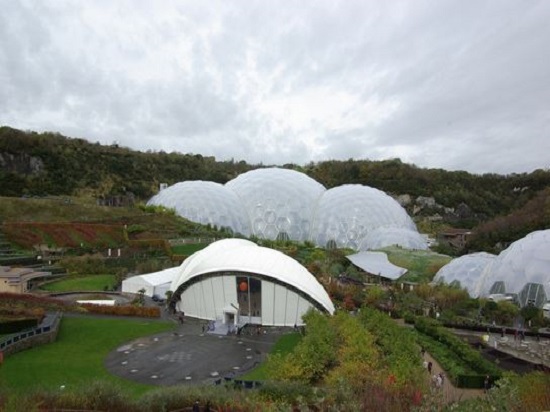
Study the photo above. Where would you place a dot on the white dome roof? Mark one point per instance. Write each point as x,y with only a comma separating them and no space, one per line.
280,202
468,270
348,213
205,203
244,256
284,204
521,267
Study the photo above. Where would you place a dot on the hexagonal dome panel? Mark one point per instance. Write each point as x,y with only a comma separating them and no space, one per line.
205,203
347,214
280,202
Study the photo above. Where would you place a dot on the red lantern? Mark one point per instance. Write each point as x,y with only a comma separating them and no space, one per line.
243,286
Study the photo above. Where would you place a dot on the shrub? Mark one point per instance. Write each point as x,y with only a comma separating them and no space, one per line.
127,310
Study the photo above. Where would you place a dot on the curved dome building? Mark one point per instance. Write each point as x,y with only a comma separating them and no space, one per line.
285,204
237,282
279,202
523,269
205,203
467,270
347,214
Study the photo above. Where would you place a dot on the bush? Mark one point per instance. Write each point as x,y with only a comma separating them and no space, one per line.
127,310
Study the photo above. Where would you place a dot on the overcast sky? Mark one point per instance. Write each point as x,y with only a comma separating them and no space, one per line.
458,85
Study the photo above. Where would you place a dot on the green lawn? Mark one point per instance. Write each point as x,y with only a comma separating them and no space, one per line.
422,265
76,358
284,345
84,283
188,248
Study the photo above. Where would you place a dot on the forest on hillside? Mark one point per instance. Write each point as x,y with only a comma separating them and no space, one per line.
42,164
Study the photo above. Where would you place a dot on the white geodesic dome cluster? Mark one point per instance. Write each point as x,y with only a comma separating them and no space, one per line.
521,271
284,204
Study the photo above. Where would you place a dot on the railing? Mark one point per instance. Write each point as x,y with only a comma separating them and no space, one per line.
49,324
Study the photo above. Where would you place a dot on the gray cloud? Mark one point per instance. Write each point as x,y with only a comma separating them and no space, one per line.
449,84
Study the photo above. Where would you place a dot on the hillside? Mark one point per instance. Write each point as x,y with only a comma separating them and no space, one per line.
49,165
70,221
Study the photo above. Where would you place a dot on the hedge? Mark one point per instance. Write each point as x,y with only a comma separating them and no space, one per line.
127,310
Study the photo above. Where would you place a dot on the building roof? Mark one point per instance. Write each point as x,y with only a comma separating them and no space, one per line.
377,263
239,255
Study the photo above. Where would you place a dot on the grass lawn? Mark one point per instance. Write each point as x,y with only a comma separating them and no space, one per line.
284,345
188,248
422,265
76,358
84,283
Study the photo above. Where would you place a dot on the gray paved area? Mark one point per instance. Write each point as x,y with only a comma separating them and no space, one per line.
189,356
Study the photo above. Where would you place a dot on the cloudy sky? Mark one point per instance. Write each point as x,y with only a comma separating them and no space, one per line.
450,84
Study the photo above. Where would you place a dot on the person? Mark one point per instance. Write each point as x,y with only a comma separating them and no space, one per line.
425,364
430,367
442,376
196,406
207,407
486,384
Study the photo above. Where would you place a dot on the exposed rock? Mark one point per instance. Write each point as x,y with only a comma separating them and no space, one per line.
21,163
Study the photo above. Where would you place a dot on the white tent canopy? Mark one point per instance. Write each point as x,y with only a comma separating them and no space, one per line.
377,263
157,283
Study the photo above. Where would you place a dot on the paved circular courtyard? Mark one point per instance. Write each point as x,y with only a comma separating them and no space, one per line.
187,355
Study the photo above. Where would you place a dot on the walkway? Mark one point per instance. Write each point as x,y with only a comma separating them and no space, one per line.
450,392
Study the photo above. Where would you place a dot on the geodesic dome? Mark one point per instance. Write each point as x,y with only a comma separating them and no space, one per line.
205,203
347,214
523,269
279,202
467,270
284,204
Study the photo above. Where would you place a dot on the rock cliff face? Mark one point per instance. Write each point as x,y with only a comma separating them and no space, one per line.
21,163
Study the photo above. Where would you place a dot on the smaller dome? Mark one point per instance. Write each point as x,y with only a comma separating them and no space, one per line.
466,270
525,262
347,214
207,203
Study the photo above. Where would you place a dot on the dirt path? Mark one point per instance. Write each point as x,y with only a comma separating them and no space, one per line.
450,392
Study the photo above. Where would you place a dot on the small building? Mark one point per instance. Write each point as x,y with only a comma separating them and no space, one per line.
18,280
456,238
157,283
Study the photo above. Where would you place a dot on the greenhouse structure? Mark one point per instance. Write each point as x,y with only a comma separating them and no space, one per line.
520,273
284,204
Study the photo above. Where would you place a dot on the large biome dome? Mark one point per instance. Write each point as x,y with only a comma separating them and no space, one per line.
284,204
279,202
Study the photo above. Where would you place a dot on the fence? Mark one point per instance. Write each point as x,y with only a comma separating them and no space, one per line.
46,332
